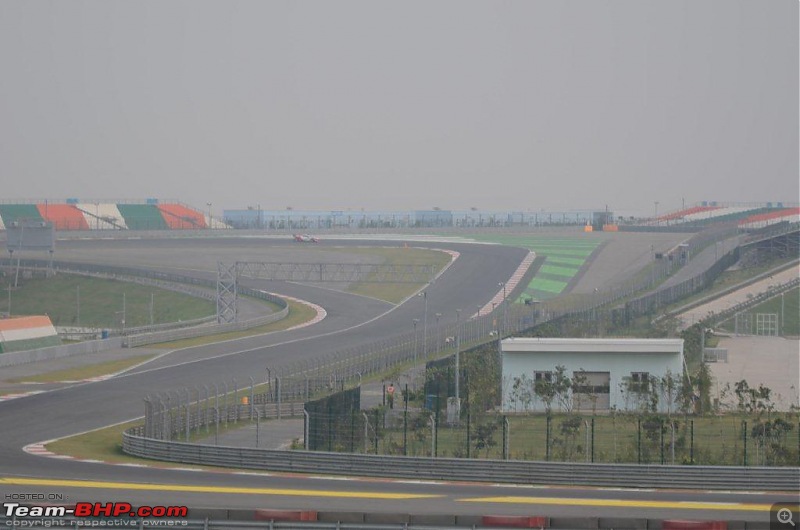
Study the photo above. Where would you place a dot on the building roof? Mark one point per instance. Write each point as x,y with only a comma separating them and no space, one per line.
613,345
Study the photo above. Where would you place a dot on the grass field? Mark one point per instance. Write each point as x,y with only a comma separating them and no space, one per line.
621,438
100,302
397,292
298,314
789,302
84,372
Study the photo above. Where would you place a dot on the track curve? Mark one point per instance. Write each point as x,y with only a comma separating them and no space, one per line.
471,281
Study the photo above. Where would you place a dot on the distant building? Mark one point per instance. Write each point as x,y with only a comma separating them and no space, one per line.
621,374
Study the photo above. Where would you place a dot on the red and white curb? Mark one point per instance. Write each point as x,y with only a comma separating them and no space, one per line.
9,397
320,311
39,449
510,285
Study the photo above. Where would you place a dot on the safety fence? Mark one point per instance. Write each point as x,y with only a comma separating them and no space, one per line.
481,470
651,302
177,414
734,440
734,313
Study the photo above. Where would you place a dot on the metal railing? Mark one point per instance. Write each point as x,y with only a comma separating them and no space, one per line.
496,471
139,336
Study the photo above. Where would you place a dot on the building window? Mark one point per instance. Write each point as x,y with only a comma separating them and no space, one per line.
543,377
640,382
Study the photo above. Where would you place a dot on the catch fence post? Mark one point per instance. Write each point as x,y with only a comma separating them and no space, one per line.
639,439
744,439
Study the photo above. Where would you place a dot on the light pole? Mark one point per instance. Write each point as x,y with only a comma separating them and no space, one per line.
458,365
438,334
209,214
415,322
424,295
505,306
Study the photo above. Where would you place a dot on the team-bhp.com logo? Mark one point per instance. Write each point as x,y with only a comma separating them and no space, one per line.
15,510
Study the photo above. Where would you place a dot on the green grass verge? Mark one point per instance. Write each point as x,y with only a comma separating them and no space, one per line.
298,314
397,292
791,319
101,302
83,372
106,445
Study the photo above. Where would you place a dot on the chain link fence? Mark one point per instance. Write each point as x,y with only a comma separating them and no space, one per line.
614,439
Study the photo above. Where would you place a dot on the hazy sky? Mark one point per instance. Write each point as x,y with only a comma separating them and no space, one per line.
401,105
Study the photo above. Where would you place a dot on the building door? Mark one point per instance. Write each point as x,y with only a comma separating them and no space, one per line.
591,391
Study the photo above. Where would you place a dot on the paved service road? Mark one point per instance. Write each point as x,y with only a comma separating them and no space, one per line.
471,280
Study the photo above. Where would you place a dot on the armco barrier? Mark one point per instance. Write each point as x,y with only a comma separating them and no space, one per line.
131,341
58,352
498,471
142,336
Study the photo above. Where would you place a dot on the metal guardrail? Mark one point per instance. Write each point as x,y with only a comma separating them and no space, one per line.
150,335
454,469
730,312
726,291
132,341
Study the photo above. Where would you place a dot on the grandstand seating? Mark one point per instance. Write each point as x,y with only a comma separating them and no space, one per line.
23,333
16,212
142,217
75,215
102,216
708,214
682,214
731,214
179,217
63,216
775,216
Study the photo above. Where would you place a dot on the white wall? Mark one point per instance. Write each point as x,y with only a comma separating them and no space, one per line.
620,365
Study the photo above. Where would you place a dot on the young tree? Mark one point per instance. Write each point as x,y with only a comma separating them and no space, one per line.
562,385
669,389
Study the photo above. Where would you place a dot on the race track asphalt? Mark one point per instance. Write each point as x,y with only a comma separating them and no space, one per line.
470,281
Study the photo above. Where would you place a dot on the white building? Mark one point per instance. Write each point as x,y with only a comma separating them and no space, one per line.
607,373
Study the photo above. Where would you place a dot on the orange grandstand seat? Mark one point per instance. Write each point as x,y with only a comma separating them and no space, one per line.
179,217
63,216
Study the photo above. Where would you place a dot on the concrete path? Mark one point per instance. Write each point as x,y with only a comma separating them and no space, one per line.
265,434
735,298
771,361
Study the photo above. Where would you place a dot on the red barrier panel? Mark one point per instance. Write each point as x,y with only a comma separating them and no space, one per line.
515,521
285,515
677,524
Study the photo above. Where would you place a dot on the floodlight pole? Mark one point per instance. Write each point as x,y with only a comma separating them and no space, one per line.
424,295
458,349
